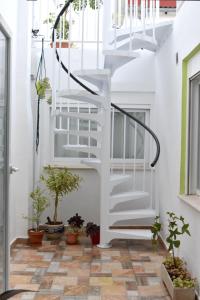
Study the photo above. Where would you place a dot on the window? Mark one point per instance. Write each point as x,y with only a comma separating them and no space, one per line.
194,137
129,137
128,140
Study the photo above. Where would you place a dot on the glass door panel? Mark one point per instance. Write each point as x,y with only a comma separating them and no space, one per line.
3,158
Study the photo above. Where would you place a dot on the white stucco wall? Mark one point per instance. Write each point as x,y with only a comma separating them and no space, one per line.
184,38
20,113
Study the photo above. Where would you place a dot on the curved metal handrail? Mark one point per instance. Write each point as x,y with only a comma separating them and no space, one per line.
63,10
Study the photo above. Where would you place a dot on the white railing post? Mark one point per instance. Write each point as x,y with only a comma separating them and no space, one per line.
97,6
82,34
107,21
54,77
105,170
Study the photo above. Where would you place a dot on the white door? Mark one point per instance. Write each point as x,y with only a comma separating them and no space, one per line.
4,163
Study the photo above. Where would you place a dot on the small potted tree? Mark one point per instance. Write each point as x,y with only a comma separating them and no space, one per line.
180,284
39,204
74,229
93,230
59,182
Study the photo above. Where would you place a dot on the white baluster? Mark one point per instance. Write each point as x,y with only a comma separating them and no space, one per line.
69,45
135,154
151,188
151,12
157,9
143,16
115,25
136,12
154,16
78,124
124,148
83,34
146,11
98,30
112,141
126,13
60,117
89,129
131,25
59,51
144,163
54,63
68,123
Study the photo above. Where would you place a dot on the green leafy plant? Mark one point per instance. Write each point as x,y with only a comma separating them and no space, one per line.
176,228
41,87
155,229
62,28
174,265
77,5
59,182
39,204
184,283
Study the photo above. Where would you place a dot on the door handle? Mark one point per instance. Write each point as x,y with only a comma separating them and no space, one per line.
13,169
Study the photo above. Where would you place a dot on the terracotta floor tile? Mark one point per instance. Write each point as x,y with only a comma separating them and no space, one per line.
80,290
157,290
123,272
101,281
128,271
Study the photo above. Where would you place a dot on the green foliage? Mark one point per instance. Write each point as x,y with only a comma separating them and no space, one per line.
184,283
39,204
176,228
41,87
59,182
92,4
155,229
62,30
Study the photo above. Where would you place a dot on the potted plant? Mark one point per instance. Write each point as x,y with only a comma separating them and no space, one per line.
59,182
93,230
62,31
42,86
155,229
74,229
180,284
39,204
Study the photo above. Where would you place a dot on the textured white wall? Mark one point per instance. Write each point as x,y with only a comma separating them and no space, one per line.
184,38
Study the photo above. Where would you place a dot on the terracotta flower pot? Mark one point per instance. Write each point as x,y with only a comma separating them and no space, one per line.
35,237
54,231
72,238
63,44
176,293
95,238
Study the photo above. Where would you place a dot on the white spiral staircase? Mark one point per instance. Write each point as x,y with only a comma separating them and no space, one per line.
122,43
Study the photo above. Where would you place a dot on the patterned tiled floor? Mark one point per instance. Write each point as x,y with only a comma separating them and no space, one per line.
127,271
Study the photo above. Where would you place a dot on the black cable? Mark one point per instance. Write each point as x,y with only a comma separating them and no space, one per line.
39,76
63,10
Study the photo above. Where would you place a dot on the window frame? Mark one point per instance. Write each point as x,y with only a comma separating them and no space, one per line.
76,162
193,144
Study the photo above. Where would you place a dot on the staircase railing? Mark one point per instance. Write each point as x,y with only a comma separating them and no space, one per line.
84,86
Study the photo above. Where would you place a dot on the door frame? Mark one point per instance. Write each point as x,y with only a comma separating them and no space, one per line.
4,28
